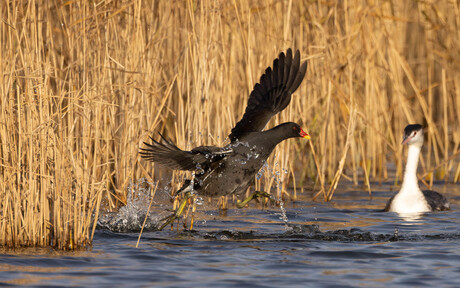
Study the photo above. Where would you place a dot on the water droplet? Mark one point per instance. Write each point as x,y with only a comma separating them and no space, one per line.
199,201
283,214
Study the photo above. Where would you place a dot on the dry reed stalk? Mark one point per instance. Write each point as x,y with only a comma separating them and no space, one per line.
350,132
147,214
83,85
365,166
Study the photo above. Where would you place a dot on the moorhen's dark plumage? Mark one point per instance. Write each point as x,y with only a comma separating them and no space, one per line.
231,169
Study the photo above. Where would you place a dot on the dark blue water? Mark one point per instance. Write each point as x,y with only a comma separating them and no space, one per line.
345,243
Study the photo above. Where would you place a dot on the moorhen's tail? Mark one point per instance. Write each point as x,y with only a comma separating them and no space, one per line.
168,154
272,94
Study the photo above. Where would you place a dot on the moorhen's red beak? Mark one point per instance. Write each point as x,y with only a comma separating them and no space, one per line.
303,134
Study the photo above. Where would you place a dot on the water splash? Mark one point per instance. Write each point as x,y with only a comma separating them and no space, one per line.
262,171
130,217
280,199
310,232
277,177
198,169
283,215
199,201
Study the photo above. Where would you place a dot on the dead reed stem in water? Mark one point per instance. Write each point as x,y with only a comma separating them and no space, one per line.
147,214
350,132
83,84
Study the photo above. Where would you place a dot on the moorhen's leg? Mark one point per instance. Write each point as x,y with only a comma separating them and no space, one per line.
255,195
170,219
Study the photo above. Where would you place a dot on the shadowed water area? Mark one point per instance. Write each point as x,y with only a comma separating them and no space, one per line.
342,243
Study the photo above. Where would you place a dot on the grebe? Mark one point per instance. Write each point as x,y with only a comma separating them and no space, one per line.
410,199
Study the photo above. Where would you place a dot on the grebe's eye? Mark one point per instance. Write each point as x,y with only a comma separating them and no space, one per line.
415,133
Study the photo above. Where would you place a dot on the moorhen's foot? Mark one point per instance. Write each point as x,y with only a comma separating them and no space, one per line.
171,218
255,195
167,220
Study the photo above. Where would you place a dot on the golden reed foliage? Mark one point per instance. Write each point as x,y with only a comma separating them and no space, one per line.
85,82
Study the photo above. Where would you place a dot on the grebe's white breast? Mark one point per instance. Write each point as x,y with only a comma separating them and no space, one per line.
409,202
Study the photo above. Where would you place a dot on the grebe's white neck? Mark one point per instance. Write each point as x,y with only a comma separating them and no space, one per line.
410,182
410,199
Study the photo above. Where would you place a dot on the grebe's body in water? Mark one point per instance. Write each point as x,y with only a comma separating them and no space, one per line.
410,199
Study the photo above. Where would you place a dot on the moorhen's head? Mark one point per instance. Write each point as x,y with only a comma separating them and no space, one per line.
413,134
294,130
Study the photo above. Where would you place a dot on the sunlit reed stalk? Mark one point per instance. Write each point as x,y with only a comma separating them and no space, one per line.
147,214
85,83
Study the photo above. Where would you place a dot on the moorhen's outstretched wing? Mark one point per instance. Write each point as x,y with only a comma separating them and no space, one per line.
169,155
272,94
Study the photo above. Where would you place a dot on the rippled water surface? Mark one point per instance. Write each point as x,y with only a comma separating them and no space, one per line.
338,244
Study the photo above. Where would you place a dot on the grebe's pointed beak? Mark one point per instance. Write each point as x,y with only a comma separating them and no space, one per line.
406,139
303,134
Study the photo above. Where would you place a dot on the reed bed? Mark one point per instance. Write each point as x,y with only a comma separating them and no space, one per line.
84,83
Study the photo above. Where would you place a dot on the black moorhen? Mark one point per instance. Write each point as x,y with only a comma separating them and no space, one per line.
226,170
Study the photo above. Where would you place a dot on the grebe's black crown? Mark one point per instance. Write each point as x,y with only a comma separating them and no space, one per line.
411,128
